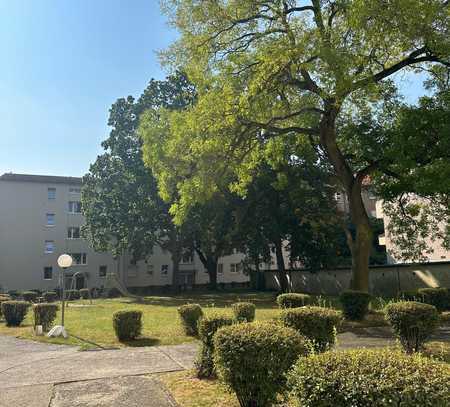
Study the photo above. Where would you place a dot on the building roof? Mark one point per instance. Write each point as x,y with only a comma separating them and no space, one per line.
47,179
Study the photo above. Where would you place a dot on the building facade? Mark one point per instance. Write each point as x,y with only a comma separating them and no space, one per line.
41,217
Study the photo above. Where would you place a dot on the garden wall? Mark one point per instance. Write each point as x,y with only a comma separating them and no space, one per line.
384,280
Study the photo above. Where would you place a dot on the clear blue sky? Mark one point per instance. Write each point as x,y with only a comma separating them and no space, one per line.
62,64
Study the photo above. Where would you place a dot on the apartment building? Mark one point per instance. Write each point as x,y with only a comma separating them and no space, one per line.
41,217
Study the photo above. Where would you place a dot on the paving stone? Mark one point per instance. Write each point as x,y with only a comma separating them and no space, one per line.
28,396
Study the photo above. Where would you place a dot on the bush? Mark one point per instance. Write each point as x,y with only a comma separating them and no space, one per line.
14,294
30,296
127,324
72,295
44,314
413,322
3,298
293,300
317,324
244,311
84,293
207,327
50,296
252,359
14,312
410,295
355,304
439,297
190,315
373,378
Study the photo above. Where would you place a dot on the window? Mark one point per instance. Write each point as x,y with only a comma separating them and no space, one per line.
50,219
51,193
235,267
220,268
73,232
74,190
187,258
74,207
102,271
164,269
49,246
79,259
48,273
150,269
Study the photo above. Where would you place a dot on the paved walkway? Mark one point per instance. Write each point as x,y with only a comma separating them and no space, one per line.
35,374
40,375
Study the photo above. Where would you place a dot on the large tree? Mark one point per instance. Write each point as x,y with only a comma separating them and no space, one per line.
268,70
123,210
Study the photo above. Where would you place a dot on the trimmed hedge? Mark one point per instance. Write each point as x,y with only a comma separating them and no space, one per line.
207,327
244,311
439,297
253,359
293,300
413,322
44,314
14,312
355,304
84,293
373,378
317,324
3,298
30,296
189,316
50,296
127,324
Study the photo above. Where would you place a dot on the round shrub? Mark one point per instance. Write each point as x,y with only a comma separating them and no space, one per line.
207,327
84,293
364,377
30,296
14,312
244,311
253,359
72,295
44,314
355,304
317,324
293,300
439,297
50,296
127,324
189,316
413,322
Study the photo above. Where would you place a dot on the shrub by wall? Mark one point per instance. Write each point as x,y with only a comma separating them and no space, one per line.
293,300
30,296
127,324
72,295
355,304
50,296
44,314
207,327
439,297
84,293
317,324
373,378
189,316
3,298
413,322
252,359
244,311
14,312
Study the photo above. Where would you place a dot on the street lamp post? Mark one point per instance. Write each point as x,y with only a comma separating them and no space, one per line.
64,262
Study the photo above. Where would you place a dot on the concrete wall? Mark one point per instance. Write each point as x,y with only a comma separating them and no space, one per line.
384,280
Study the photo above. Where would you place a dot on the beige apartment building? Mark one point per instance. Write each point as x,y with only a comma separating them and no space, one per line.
40,218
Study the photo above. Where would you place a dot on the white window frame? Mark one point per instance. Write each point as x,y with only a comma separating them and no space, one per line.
50,216
51,273
220,268
74,190
83,256
47,246
51,196
72,206
150,269
70,232
100,268
164,269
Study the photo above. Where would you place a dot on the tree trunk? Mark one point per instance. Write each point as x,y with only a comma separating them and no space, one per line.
176,258
212,272
360,243
284,284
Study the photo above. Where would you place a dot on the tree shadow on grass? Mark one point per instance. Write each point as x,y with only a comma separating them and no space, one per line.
141,342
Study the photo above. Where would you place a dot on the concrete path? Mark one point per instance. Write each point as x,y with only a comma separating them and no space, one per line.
40,375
